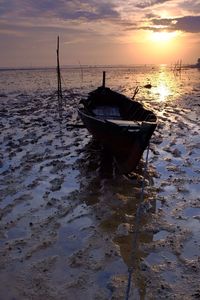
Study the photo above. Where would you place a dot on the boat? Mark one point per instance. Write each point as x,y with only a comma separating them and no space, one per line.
121,124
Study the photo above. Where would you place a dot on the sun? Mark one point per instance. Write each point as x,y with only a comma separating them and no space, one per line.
162,36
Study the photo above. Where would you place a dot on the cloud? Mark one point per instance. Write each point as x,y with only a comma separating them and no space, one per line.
191,6
12,32
90,17
6,6
79,17
151,16
89,10
150,3
187,24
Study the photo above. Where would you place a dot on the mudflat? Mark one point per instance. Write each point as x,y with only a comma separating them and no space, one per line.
68,215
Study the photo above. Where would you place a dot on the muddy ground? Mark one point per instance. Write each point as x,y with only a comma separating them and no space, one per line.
68,216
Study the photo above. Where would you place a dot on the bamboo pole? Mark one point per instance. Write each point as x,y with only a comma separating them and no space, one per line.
59,91
104,79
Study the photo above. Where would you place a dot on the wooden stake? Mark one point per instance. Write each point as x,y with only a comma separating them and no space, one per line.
60,102
104,79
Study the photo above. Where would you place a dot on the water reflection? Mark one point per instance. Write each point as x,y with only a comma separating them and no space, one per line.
163,91
166,84
114,200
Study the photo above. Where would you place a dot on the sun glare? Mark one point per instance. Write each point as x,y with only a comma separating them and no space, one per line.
163,92
166,85
162,36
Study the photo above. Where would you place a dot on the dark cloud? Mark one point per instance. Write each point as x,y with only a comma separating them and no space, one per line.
131,28
73,10
191,6
66,10
7,6
151,16
92,13
163,22
150,3
187,23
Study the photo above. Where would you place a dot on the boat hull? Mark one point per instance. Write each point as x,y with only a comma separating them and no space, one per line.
125,143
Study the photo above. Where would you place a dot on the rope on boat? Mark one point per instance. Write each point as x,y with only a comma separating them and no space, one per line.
139,211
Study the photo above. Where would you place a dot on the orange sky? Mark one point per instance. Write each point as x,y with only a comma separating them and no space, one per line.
99,32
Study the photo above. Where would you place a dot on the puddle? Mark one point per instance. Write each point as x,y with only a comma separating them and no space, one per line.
72,237
169,276
160,258
192,212
113,269
16,233
161,235
191,249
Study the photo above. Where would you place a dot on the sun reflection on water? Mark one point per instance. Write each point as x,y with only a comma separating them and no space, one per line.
163,91
166,85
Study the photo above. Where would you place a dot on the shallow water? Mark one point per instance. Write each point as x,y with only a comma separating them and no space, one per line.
68,215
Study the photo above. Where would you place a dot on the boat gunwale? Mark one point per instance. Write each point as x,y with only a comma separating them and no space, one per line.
106,120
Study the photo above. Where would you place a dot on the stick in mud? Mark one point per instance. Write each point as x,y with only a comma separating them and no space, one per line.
59,91
104,79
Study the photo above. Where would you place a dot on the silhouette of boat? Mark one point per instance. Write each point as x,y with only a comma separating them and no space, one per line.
123,126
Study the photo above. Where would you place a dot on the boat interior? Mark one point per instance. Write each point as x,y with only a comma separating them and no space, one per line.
134,113
103,103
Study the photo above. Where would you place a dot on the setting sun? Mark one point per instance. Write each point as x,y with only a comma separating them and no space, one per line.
163,36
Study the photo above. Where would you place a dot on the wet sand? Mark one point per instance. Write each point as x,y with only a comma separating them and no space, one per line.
68,215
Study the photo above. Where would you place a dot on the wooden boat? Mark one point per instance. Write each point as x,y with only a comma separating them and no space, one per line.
123,126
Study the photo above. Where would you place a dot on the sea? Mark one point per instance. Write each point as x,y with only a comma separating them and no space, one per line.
164,79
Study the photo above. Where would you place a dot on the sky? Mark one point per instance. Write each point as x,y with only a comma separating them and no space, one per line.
98,32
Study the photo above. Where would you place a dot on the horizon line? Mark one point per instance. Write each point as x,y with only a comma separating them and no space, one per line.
83,66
